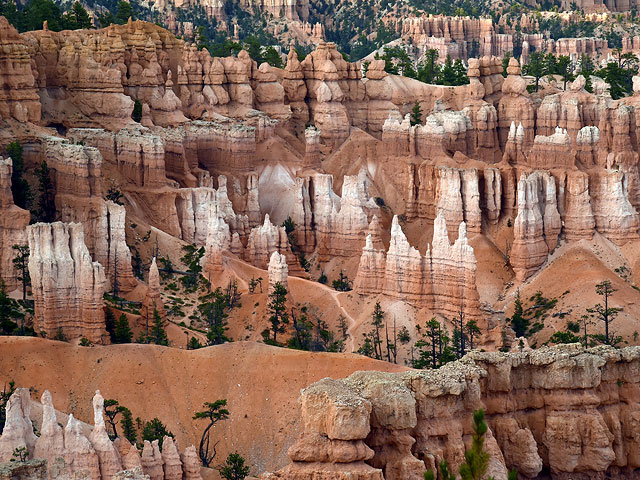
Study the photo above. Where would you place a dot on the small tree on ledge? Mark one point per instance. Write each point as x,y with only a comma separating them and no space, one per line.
416,114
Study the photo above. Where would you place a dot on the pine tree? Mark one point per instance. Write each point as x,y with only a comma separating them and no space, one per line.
46,202
128,428
7,311
234,468
537,67
123,333
19,186
21,264
214,412
158,334
416,114
123,12
278,315
82,18
476,460
377,318
605,313
518,322
212,310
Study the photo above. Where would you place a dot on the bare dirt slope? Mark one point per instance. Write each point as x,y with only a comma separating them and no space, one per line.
261,385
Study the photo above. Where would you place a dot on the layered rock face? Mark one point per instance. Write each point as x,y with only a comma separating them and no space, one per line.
13,224
402,424
71,454
537,225
340,222
19,98
442,280
67,285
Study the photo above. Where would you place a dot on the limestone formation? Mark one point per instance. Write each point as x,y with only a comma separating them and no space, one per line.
443,279
171,460
153,298
13,224
108,455
152,460
398,423
537,224
18,430
67,286
278,271
70,454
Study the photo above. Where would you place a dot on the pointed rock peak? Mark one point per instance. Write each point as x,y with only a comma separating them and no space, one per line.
512,131
267,221
440,235
98,408
462,231
368,244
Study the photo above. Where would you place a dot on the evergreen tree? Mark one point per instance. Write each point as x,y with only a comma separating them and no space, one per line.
234,468
155,430
428,70
21,264
505,63
377,320
105,19
47,194
158,334
212,309
603,311
472,329
519,323
278,316
272,57
123,333
476,460
123,13
536,67
128,428
214,412
416,114
447,74
19,186
7,311
82,18
136,114
564,69
111,411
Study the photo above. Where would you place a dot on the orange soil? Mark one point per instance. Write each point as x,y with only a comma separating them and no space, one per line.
261,385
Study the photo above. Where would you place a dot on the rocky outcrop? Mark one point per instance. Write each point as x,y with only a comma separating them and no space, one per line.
278,271
537,225
19,98
152,460
266,239
117,261
614,215
153,298
340,221
442,280
50,444
108,455
67,286
13,224
18,429
405,423
70,454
